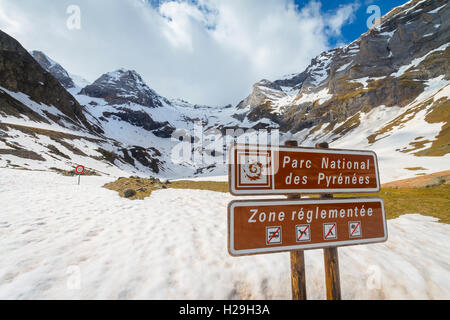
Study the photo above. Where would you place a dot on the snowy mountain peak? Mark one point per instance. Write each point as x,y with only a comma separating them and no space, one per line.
123,87
54,68
128,75
44,60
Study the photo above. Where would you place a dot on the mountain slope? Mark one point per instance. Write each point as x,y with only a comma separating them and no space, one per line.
21,73
389,66
366,73
56,70
387,91
131,113
43,127
126,126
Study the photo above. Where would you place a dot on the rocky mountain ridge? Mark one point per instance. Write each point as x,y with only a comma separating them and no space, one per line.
54,68
21,73
363,74
123,86
387,89
133,124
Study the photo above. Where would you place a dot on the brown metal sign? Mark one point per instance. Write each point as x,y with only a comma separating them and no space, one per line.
268,226
255,170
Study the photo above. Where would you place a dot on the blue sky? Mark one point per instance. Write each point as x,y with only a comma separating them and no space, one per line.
352,30
205,51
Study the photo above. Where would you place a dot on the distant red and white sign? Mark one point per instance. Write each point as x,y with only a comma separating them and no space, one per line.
79,169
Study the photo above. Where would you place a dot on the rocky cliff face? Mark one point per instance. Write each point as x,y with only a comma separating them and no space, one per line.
56,70
121,87
19,72
387,66
128,96
53,127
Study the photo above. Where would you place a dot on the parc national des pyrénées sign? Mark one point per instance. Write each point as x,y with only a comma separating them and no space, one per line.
268,226
266,170
295,224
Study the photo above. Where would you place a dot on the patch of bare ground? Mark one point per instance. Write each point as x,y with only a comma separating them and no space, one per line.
137,188
71,173
426,181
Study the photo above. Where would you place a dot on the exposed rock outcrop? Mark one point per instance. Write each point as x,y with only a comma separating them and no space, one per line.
387,65
19,72
54,68
123,87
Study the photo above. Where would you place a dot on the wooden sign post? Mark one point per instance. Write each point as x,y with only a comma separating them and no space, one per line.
331,258
295,224
298,273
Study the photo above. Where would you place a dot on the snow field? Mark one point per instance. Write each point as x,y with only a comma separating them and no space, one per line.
63,241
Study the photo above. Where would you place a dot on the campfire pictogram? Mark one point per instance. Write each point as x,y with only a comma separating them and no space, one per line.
253,171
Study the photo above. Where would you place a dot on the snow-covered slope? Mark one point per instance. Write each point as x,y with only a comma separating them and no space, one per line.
134,127
132,122
388,91
402,137
85,242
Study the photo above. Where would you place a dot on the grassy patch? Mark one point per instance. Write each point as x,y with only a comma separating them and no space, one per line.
415,145
350,95
397,122
22,153
56,151
108,156
434,201
201,185
439,113
349,125
144,187
71,173
54,135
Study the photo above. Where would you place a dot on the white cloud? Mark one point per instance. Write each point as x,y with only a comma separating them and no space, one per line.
342,15
181,21
208,52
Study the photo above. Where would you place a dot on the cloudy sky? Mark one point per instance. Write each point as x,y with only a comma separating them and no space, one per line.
204,51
